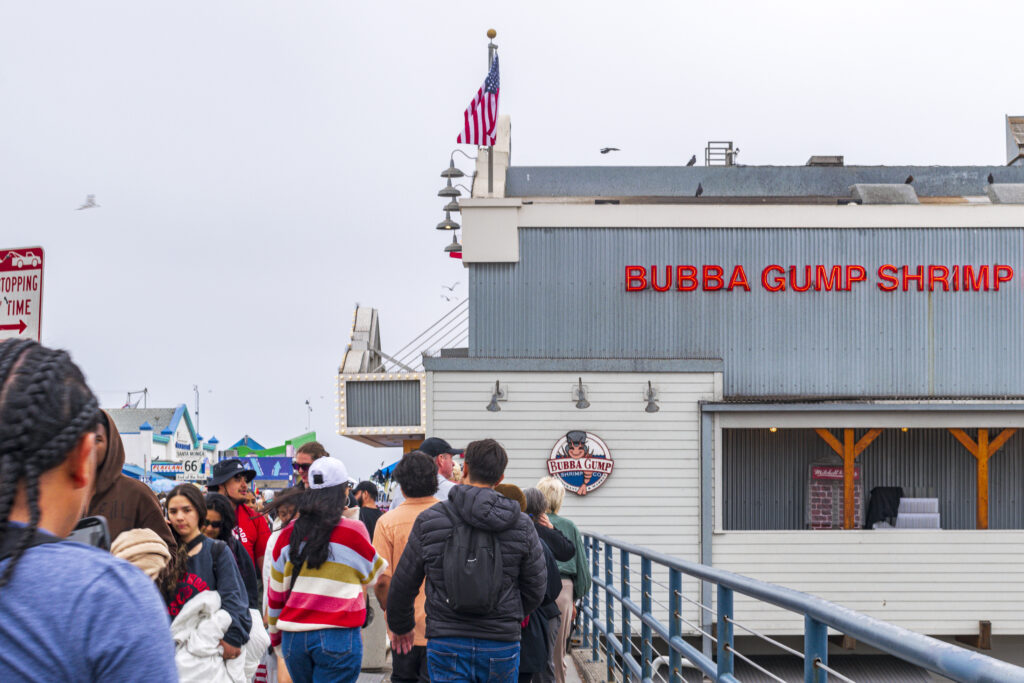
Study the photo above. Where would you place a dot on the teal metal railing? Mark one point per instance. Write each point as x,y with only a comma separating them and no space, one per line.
614,638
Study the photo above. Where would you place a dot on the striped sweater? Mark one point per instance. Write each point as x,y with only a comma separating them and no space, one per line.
330,596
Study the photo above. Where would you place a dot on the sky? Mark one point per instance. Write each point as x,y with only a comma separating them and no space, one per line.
263,167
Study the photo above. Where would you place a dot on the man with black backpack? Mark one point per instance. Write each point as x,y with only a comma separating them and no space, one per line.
484,568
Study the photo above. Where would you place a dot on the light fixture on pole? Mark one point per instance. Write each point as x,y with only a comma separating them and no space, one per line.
651,398
580,394
448,223
451,171
452,206
454,246
497,395
449,191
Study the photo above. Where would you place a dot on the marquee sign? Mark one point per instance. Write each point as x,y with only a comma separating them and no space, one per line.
818,278
582,462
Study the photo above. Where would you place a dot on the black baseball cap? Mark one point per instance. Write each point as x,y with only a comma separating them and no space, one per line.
435,446
227,469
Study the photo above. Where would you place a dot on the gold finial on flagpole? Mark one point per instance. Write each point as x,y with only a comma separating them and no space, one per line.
491,33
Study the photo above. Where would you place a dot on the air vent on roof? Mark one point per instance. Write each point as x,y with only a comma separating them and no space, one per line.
1014,140
826,160
883,193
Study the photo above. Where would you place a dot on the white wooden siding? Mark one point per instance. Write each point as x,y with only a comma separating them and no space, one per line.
934,582
653,496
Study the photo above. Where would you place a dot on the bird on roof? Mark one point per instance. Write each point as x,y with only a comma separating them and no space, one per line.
909,180
991,179
700,190
692,160
89,203
605,150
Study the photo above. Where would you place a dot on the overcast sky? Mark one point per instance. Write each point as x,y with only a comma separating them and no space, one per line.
261,167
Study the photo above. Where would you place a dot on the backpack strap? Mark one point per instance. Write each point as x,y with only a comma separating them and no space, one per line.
14,536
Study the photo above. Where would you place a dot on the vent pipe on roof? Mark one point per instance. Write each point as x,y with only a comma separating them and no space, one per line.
1014,140
826,160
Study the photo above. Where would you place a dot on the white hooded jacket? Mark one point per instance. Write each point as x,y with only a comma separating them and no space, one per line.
197,632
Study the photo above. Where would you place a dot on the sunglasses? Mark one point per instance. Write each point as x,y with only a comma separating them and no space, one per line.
301,466
215,525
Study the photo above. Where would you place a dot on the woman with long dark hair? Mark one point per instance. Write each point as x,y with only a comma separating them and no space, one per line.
321,566
220,520
203,564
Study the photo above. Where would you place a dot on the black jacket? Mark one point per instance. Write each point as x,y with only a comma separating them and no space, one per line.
535,652
524,576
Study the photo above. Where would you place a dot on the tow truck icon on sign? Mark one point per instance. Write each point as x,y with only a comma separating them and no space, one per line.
26,259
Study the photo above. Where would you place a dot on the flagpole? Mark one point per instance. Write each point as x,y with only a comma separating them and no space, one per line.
491,47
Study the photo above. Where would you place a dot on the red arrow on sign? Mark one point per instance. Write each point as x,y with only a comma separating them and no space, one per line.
19,326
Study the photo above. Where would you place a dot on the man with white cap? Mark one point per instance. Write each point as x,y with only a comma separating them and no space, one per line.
321,565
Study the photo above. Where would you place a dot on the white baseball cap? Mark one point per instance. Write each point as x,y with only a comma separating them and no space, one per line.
327,472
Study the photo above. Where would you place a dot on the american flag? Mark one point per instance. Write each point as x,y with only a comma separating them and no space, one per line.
481,116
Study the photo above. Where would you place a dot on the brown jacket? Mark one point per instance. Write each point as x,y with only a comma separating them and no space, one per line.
126,503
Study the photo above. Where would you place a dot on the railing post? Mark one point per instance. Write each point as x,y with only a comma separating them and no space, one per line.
627,632
595,551
675,624
815,650
609,610
726,662
646,652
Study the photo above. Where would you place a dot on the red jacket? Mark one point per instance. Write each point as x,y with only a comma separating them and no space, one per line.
253,532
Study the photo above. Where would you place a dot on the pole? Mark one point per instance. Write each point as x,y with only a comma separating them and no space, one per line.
491,47
195,388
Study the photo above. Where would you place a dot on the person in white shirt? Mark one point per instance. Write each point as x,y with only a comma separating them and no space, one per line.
443,454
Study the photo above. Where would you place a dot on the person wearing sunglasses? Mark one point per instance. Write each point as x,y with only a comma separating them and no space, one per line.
232,478
220,520
307,454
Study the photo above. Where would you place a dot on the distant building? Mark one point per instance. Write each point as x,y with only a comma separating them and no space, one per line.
162,435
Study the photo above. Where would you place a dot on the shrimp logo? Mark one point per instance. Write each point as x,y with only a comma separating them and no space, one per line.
582,461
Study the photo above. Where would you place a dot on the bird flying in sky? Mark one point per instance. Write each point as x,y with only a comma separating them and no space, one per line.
605,150
90,203
452,288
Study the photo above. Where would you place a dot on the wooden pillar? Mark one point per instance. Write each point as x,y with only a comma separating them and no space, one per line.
982,451
848,451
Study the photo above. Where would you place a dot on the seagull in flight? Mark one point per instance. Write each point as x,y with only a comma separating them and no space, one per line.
90,203
452,288
605,150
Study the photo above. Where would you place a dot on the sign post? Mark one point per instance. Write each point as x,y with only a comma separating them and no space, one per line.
21,293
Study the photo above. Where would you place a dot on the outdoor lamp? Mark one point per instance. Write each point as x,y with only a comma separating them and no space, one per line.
447,223
454,246
449,190
652,406
453,206
451,171
581,396
497,395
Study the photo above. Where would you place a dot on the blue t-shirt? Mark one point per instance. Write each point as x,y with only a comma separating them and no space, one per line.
76,613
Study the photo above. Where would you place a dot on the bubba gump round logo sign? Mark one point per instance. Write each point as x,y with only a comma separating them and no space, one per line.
582,461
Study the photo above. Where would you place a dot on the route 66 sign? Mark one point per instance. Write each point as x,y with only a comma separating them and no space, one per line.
582,462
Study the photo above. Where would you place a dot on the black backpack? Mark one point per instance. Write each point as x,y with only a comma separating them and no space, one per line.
472,567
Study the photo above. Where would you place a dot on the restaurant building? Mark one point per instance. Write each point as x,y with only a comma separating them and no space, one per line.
749,353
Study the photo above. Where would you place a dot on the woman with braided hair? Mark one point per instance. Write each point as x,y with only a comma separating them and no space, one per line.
72,612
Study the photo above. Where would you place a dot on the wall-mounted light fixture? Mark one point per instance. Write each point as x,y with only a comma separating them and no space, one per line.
580,394
454,246
773,429
651,397
498,394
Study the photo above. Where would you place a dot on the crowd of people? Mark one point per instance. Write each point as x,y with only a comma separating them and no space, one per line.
478,579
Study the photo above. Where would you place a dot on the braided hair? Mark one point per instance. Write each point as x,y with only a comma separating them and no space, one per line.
45,408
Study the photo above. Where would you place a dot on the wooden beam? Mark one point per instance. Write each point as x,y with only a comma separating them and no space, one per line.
848,450
967,441
865,441
982,450
849,456
982,640
831,440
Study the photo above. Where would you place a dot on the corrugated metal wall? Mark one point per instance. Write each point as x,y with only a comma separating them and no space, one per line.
566,299
764,475
382,404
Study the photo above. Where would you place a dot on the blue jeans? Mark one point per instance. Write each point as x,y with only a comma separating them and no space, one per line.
327,654
472,660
